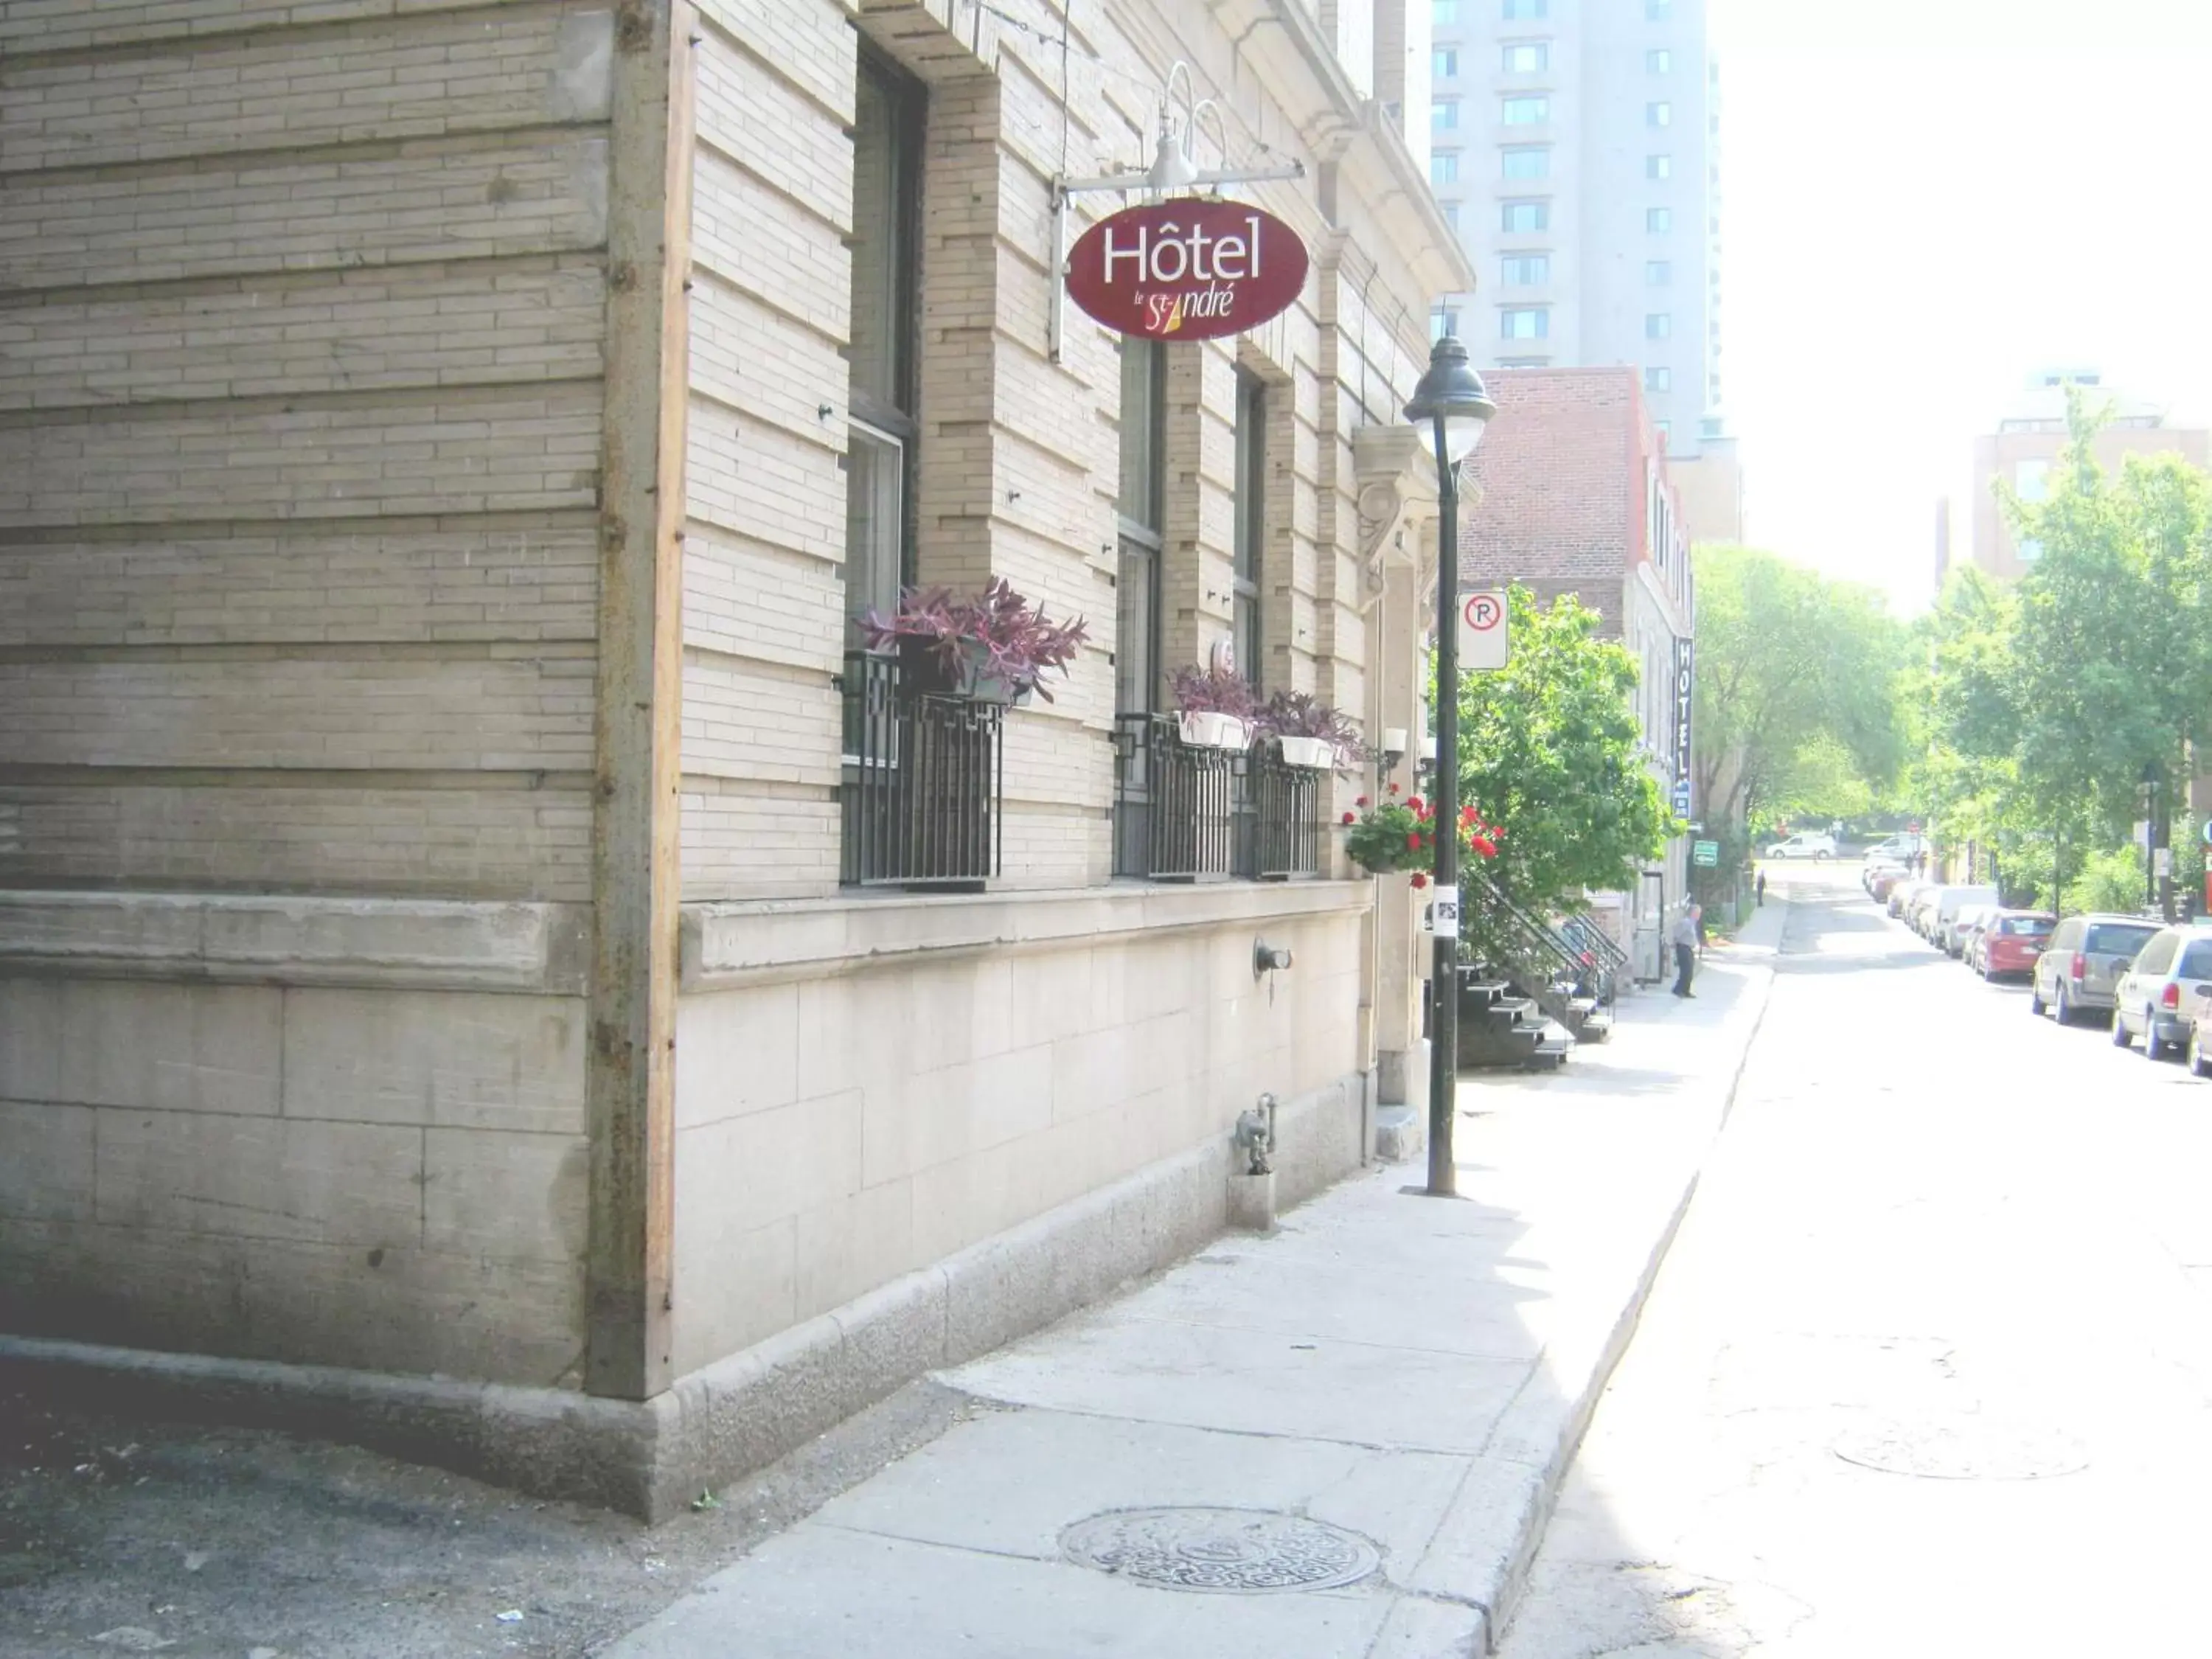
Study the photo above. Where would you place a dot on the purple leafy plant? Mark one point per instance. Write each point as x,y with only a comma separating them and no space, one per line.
1302,714
998,634
1210,691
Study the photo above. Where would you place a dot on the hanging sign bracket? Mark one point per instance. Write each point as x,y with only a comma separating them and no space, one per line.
1173,173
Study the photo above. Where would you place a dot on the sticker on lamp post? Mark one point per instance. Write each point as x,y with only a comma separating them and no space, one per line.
1443,913
1485,641
1187,270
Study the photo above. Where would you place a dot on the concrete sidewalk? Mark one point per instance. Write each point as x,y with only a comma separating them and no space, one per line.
1360,1420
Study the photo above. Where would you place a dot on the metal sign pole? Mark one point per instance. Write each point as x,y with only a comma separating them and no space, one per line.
1444,982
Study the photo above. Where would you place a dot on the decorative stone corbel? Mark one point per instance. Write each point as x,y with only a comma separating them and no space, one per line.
1396,476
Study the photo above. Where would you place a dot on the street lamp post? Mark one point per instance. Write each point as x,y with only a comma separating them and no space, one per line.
1451,398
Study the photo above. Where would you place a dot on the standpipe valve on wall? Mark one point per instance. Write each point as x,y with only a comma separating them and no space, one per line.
1266,961
1255,1136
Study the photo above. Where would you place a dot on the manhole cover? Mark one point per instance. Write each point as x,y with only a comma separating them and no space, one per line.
1964,1449
1237,1552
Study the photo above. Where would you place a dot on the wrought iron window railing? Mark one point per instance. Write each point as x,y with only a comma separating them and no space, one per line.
1174,803
1283,828
1184,813
923,782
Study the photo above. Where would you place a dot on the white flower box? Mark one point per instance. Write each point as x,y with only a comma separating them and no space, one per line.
1315,754
1206,728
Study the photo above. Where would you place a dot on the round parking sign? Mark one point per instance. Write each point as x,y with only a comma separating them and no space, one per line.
1484,638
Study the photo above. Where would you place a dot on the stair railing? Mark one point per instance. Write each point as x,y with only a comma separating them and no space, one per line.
1540,956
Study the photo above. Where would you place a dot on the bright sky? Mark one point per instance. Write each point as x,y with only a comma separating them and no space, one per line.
1924,201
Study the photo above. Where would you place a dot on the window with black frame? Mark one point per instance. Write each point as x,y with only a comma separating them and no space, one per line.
1172,802
886,218
920,780
1251,527
1141,506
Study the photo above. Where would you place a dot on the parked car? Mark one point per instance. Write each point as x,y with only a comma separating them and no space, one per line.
1966,928
2011,942
1943,924
1899,850
1902,894
1886,881
2199,1052
1874,869
1922,916
2159,994
1805,844
2081,967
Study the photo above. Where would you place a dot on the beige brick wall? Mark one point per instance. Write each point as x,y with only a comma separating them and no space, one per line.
301,313
300,425
1017,454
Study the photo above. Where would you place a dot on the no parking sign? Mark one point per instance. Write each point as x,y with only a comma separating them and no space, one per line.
1485,638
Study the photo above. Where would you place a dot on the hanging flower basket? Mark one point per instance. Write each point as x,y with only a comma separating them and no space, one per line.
1401,835
1315,754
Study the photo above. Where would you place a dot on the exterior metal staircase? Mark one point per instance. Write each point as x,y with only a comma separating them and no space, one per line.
1529,989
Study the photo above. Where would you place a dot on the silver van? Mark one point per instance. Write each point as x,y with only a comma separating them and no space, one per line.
2081,967
2158,994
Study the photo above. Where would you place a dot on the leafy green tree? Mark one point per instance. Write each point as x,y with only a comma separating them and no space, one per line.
1797,689
2046,703
2111,653
1968,779
2110,880
1549,750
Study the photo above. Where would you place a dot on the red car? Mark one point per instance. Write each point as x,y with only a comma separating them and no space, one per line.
2012,942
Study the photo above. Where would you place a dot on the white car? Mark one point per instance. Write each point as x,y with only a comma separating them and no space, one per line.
1805,844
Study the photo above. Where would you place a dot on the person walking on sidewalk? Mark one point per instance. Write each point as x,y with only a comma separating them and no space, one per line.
1761,889
1683,936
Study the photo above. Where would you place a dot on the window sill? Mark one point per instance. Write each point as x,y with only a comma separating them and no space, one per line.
727,945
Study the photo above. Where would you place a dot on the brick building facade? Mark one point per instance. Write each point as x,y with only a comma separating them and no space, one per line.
1573,495
441,448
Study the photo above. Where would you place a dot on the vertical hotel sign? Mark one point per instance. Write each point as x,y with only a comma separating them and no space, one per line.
1685,688
1187,270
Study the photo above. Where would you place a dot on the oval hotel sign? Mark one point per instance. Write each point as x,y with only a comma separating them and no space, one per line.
1187,270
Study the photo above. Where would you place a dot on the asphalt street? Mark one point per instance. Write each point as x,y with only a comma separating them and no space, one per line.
1928,1369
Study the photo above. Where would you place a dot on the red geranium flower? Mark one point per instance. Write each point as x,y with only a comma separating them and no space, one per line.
1362,801
1415,804
1347,817
1412,842
1394,788
1419,880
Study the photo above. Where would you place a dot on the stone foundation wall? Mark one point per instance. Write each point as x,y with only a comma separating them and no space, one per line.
295,1130
865,1087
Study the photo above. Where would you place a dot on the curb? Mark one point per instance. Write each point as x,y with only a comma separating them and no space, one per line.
1483,1550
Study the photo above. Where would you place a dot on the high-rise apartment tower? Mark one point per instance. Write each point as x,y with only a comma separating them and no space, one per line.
1575,147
